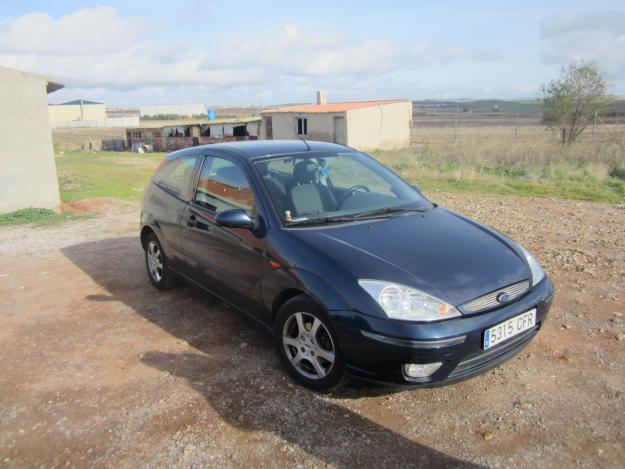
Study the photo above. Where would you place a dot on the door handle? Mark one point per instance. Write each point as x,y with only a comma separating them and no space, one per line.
192,221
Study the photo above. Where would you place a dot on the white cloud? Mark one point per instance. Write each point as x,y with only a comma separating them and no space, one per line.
290,50
586,35
427,53
91,31
119,56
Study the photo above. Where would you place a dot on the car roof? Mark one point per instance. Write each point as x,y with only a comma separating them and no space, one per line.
257,148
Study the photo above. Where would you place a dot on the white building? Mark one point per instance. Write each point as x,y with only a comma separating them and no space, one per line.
365,125
27,168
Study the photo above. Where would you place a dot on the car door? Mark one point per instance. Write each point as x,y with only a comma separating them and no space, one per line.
226,261
166,202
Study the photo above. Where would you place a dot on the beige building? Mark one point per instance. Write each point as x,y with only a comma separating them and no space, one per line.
27,168
78,110
365,125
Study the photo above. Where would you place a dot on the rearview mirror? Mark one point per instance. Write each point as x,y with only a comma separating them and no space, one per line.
235,218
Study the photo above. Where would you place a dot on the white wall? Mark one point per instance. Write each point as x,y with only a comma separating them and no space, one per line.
27,168
108,122
384,127
320,126
75,112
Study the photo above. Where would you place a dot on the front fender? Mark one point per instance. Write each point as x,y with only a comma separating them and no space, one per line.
278,281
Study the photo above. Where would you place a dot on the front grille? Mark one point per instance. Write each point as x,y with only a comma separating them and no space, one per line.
489,300
485,359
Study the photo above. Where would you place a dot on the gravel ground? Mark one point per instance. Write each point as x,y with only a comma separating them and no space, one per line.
97,368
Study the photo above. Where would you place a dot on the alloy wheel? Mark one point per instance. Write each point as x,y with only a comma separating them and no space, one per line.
308,345
155,261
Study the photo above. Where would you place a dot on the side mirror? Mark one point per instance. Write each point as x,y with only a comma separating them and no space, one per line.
416,188
235,218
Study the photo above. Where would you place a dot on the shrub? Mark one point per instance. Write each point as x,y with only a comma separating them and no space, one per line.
617,171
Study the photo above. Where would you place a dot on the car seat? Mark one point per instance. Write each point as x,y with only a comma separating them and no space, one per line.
308,197
274,186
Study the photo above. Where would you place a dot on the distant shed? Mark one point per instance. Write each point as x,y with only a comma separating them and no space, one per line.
77,110
365,125
174,135
27,167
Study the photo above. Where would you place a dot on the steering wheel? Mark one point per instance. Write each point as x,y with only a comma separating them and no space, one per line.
350,191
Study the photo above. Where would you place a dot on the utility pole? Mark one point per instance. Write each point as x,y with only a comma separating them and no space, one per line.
516,127
594,126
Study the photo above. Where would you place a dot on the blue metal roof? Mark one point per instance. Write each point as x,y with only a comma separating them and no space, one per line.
77,102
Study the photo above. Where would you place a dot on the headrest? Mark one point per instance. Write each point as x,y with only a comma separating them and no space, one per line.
263,168
305,172
232,176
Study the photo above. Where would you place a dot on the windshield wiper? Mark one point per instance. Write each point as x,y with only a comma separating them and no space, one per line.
371,214
386,211
319,221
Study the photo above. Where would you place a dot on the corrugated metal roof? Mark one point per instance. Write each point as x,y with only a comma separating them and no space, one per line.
53,86
157,124
330,107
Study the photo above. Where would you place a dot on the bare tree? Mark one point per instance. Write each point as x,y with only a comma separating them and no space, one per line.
572,100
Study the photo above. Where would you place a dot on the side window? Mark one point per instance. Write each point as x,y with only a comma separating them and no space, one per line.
175,176
222,185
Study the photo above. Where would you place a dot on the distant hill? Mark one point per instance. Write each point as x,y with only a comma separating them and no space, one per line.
480,105
498,105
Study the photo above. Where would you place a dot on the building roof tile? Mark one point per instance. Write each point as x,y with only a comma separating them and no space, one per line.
330,107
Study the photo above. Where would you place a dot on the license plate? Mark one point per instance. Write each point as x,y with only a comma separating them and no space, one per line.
509,328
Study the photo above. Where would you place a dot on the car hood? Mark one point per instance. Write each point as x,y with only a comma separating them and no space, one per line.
442,253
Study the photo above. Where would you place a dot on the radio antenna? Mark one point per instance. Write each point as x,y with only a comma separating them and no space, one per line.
301,137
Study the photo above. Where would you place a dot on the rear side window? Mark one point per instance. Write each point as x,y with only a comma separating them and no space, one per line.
222,185
175,176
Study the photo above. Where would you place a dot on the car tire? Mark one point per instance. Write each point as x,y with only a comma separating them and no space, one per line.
156,264
308,345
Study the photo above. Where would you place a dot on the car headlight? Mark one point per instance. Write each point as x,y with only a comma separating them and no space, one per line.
408,304
537,271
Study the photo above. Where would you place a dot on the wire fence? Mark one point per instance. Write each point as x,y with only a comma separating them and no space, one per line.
515,128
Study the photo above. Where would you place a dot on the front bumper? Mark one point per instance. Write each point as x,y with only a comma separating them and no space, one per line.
376,349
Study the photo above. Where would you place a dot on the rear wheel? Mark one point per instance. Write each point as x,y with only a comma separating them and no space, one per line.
308,346
156,264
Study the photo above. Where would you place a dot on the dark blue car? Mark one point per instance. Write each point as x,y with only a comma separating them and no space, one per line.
354,270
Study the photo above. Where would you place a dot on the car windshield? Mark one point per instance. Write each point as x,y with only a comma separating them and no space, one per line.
319,188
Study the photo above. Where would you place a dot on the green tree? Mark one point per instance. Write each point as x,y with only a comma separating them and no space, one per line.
572,100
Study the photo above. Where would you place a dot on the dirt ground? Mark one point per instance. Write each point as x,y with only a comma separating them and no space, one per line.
97,368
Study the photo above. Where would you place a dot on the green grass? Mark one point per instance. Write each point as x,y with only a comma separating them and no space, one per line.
125,175
121,175
593,182
38,217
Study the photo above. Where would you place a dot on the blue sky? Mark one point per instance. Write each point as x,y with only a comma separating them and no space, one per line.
244,52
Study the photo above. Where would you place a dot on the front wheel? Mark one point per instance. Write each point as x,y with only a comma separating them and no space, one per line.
308,346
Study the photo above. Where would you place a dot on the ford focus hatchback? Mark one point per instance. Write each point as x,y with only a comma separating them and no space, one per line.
353,270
